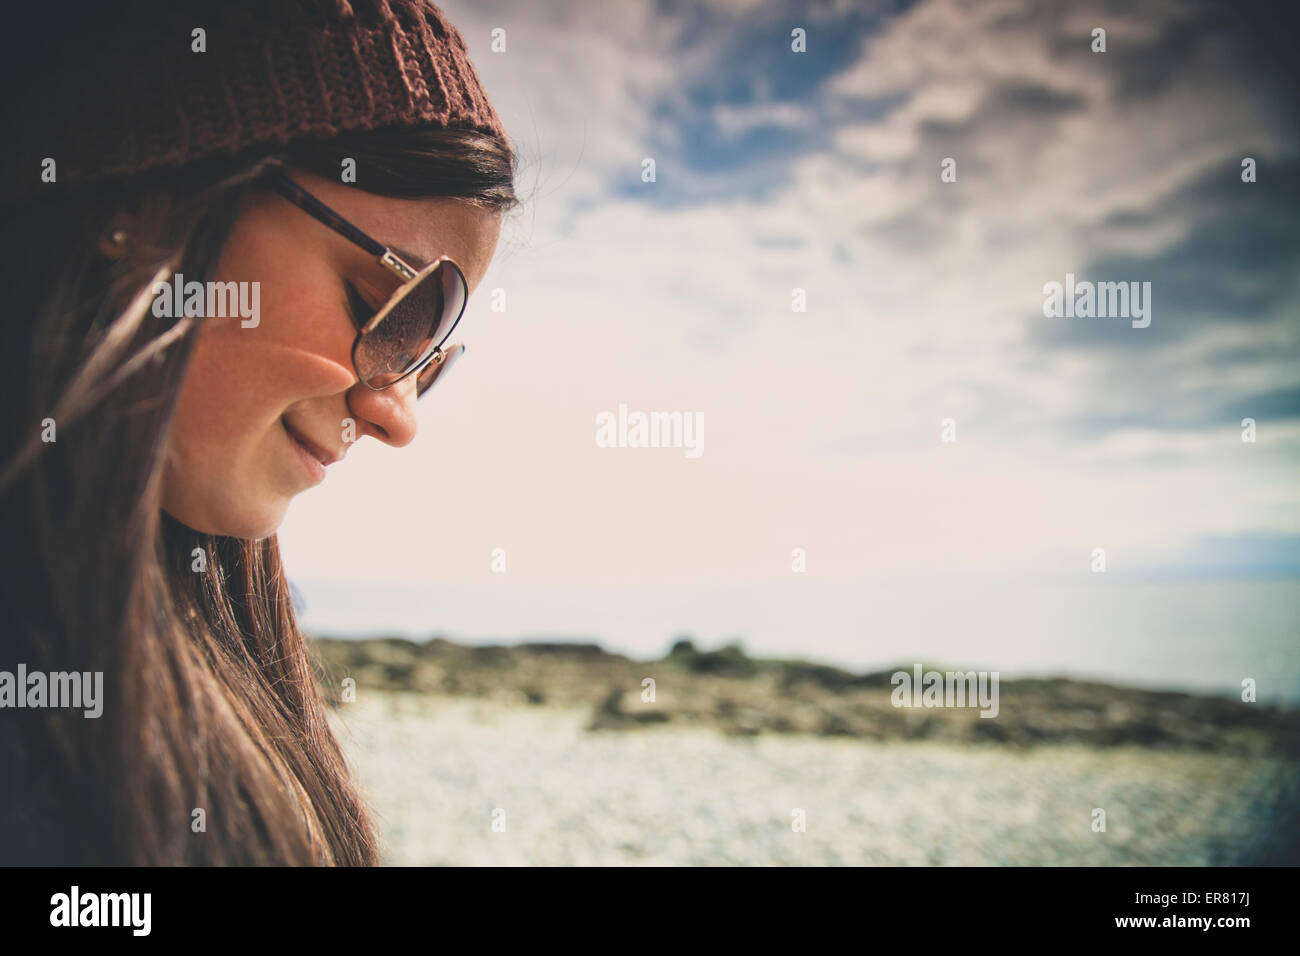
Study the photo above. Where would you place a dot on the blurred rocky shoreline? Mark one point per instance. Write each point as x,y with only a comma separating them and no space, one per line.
738,695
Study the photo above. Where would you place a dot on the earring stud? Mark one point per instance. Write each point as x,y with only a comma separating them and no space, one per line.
112,245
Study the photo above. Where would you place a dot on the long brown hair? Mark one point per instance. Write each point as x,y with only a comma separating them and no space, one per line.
214,744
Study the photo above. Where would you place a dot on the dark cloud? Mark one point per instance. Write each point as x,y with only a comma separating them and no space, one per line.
1239,264
1272,405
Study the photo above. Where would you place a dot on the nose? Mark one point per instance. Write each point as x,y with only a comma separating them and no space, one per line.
387,414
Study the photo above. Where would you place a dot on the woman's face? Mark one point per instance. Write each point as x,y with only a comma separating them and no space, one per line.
258,400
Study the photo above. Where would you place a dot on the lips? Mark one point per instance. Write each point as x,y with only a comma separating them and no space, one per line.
319,452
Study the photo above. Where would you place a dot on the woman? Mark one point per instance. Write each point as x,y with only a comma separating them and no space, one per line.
155,438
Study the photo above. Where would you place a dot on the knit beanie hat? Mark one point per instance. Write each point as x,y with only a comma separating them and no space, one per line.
157,83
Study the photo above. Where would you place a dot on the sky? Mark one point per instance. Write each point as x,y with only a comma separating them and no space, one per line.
823,429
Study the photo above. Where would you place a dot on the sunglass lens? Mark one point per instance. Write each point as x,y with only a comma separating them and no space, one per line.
412,327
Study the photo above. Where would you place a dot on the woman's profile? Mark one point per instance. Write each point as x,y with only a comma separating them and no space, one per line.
239,237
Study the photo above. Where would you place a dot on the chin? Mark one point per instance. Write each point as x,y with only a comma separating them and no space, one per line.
252,524
255,527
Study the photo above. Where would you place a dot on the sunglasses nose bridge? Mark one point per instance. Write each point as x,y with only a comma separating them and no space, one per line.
434,370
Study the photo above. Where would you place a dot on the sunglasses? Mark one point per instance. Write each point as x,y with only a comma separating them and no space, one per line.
406,335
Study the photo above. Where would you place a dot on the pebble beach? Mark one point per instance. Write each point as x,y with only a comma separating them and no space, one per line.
469,781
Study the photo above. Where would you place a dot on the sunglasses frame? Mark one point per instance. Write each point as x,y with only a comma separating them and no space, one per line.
410,276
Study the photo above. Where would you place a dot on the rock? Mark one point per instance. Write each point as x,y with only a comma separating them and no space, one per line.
609,714
729,661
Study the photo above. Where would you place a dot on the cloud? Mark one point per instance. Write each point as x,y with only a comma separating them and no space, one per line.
820,172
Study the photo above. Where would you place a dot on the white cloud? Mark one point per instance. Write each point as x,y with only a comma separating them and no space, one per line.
821,427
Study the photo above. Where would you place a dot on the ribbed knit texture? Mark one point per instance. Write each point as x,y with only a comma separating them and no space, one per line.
135,97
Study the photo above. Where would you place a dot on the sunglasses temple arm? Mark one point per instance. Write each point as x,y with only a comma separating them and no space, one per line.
309,204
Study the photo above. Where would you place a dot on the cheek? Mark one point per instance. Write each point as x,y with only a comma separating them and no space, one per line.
241,380
303,336
226,437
